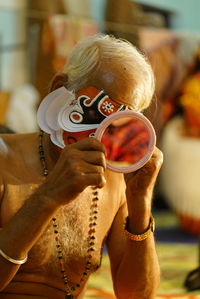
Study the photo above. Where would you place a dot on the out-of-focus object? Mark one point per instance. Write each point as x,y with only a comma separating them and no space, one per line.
21,112
5,130
4,102
190,98
120,20
61,33
13,59
125,18
79,8
161,46
190,101
192,281
47,6
41,63
180,144
188,46
179,177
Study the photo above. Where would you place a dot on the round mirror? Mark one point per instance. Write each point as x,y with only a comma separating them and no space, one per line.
129,139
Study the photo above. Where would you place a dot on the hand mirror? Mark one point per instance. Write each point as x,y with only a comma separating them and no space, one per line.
129,139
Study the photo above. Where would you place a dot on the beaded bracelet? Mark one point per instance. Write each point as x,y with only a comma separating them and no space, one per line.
140,237
17,262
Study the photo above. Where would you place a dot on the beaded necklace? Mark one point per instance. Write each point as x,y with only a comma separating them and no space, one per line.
70,287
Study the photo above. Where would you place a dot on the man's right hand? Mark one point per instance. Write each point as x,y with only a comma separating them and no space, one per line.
80,165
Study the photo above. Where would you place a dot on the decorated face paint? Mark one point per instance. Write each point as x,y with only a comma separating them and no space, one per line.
69,118
91,107
72,137
95,106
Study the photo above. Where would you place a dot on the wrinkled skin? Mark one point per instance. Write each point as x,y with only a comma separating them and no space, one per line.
29,201
78,166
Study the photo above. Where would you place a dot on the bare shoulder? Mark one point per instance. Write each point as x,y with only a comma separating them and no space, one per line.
13,144
18,138
15,151
18,162
5,155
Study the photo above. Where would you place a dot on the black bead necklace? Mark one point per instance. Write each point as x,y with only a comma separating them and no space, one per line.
71,288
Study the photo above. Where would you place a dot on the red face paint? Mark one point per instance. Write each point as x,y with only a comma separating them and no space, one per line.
90,107
72,137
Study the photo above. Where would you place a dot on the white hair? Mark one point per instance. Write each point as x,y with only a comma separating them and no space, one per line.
91,55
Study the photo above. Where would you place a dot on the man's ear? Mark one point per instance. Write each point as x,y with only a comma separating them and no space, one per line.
58,81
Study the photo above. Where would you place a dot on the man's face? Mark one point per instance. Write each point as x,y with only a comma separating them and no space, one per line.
89,109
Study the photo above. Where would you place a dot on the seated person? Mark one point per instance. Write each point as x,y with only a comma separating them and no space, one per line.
59,203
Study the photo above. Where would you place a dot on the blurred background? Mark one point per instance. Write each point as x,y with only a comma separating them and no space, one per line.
36,38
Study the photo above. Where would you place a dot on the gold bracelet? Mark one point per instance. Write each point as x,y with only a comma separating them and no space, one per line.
140,237
17,262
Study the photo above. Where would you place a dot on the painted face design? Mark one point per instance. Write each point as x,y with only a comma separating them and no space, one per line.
93,106
87,112
70,117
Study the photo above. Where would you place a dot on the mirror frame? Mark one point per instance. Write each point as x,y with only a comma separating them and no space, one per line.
152,138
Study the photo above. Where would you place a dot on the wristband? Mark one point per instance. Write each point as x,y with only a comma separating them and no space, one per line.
143,236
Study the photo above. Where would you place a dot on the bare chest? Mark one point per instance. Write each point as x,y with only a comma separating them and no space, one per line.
75,224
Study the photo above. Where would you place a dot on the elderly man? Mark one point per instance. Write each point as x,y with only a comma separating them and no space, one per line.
59,203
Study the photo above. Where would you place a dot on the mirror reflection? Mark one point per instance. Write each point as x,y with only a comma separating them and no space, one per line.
126,141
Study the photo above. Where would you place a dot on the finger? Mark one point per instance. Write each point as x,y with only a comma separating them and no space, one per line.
95,158
157,153
90,168
157,157
94,179
150,169
88,144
